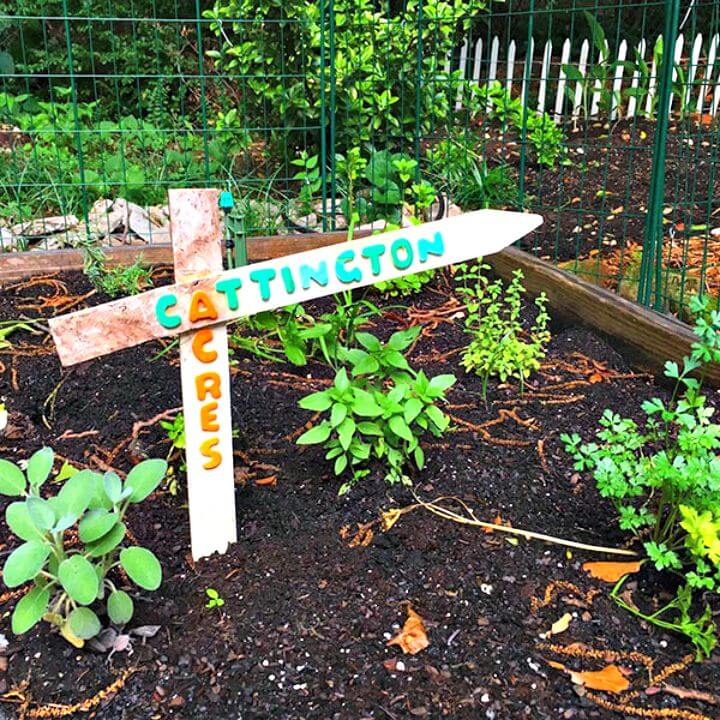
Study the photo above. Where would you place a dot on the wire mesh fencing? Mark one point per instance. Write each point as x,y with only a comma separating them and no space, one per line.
602,115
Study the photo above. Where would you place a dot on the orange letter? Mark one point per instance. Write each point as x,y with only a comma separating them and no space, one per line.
208,417
214,457
201,307
201,339
207,383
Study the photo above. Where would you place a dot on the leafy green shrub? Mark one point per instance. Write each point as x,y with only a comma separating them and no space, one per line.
68,575
376,71
407,285
378,408
664,478
499,345
117,280
459,168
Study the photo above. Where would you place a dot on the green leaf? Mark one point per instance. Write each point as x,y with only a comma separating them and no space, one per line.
30,610
369,342
317,402
339,413
25,563
39,466
84,623
107,542
342,382
74,497
413,407
438,417
364,404
144,478
341,464
96,524
142,567
370,428
120,607
79,579
400,428
12,479
41,513
346,432
443,383
316,436
18,519
113,486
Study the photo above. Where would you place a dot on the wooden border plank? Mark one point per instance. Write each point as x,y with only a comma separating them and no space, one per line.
18,266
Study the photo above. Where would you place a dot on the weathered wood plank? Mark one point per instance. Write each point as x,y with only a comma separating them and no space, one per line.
653,338
18,266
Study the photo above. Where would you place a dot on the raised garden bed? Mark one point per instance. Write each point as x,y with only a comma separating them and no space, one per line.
314,588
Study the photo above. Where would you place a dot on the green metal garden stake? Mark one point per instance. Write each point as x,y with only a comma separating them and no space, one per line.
235,243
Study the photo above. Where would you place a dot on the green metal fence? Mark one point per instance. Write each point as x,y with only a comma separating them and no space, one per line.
600,114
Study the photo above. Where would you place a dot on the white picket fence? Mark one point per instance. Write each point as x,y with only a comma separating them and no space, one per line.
549,90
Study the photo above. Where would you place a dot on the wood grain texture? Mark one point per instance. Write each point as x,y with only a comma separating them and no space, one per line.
20,265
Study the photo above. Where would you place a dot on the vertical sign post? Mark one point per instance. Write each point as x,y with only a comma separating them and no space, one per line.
205,372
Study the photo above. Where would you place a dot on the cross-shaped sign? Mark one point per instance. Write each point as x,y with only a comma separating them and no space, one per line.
204,299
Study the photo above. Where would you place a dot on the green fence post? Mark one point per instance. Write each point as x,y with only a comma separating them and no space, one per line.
203,90
418,87
526,107
76,117
650,281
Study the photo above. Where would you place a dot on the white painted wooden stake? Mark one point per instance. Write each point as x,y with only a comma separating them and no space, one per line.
528,64
544,76
652,83
512,49
579,86
677,56
693,69
463,74
705,87
562,80
492,74
597,88
197,252
617,82
635,84
477,62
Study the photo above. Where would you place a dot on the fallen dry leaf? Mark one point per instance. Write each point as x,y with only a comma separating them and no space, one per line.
611,571
497,521
561,625
413,637
610,679
271,481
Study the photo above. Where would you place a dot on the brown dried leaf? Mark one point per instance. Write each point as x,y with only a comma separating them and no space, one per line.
413,637
610,679
561,625
611,571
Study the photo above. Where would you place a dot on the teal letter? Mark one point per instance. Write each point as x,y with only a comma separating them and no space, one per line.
309,274
229,288
161,308
288,280
263,278
342,272
434,247
406,247
374,253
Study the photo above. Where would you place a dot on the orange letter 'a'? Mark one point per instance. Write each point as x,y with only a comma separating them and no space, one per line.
207,383
213,456
201,307
201,339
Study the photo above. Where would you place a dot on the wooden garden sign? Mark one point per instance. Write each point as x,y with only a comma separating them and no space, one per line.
204,298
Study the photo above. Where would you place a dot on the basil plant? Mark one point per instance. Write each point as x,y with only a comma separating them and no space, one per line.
75,544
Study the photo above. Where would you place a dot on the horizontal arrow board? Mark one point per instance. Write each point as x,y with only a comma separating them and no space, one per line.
245,291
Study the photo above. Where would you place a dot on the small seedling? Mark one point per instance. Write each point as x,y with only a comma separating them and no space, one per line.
215,601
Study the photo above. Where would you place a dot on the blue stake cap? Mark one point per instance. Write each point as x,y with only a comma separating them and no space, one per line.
227,202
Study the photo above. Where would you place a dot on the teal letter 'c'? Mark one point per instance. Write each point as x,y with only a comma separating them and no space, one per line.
431,247
343,273
161,308
374,253
229,288
402,245
263,278
309,275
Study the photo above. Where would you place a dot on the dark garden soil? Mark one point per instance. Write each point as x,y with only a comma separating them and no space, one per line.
597,200
308,607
